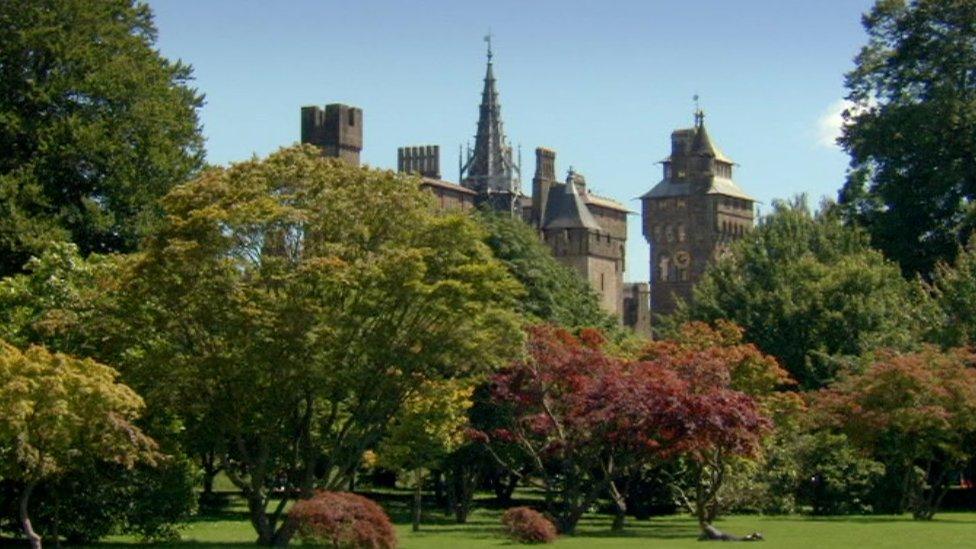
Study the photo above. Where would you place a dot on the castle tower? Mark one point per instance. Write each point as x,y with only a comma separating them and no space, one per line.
489,169
337,130
692,215
578,241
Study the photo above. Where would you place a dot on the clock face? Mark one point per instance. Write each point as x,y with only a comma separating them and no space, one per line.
682,259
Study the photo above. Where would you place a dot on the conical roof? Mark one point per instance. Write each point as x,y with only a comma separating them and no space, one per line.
565,209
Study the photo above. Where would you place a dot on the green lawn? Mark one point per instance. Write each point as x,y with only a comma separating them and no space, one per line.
229,528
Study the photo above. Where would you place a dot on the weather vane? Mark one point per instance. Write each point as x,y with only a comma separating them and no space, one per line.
699,115
488,40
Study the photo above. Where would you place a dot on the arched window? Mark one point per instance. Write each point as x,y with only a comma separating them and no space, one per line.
663,267
681,232
669,233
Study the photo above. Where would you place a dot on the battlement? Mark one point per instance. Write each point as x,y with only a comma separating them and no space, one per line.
337,130
424,160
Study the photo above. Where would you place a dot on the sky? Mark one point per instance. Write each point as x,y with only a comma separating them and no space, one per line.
602,82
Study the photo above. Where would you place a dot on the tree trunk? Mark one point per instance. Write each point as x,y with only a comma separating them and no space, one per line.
504,488
417,499
620,511
32,537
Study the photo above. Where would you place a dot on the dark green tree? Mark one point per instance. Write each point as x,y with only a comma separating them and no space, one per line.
555,293
812,292
95,125
911,133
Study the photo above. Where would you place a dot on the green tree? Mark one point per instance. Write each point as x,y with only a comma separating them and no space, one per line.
554,292
811,292
59,413
429,428
911,134
954,289
95,125
285,308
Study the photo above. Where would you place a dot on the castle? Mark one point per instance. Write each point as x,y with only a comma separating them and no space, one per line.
689,218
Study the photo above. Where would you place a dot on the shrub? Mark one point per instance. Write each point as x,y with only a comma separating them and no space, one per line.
525,525
343,521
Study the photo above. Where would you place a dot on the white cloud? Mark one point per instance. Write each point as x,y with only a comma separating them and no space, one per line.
830,123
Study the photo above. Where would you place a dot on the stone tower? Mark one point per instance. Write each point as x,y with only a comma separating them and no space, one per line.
337,130
692,215
578,241
489,169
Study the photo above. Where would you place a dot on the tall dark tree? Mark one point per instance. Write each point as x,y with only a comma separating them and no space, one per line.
911,133
95,125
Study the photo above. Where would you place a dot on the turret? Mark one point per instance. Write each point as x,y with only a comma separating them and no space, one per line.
337,130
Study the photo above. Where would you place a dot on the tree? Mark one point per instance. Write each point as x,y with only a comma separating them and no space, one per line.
95,126
812,293
58,413
911,133
429,428
732,390
915,413
954,289
281,305
588,421
554,292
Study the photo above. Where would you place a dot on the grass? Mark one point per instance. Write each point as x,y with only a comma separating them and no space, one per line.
229,528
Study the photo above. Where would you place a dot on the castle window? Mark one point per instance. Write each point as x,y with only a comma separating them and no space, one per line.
681,203
681,233
351,115
664,267
657,233
602,282
669,233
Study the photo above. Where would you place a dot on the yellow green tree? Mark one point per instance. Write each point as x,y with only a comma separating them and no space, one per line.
287,308
430,427
59,413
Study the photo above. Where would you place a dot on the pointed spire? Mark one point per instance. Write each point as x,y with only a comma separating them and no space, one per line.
490,168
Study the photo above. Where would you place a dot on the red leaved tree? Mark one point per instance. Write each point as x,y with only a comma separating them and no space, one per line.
732,389
587,420
915,413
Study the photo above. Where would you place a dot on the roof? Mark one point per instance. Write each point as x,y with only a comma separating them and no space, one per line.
565,209
602,202
440,183
727,187
717,185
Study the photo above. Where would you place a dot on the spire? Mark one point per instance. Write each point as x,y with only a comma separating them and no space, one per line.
490,168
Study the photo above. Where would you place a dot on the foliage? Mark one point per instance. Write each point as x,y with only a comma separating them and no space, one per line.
430,427
285,318
554,292
731,392
915,413
61,301
838,478
343,520
526,525
910,133
954,289
588,420
59,413
95,126
812,293
87,504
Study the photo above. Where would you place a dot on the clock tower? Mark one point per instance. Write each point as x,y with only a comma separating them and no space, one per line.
692,215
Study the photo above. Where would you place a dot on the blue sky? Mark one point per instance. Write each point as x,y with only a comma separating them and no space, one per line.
602,83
